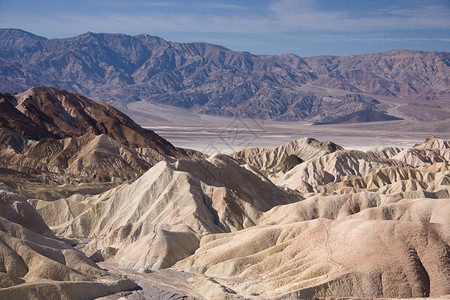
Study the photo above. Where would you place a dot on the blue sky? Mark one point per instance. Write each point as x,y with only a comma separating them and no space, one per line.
302,27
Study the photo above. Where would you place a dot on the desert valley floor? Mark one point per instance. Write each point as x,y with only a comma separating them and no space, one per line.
212,134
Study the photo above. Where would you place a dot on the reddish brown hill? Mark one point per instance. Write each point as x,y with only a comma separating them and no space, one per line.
13,119
57,137
66,114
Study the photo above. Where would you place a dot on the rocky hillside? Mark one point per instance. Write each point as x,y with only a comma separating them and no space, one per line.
283,158
206,78
52,136
37,265
172,206
325,258
65,114
326,222
336,223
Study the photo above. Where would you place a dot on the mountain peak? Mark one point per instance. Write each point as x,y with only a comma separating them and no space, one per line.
18,33
66,114
17,38
211,79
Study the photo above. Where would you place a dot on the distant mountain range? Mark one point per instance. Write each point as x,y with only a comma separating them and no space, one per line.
121,69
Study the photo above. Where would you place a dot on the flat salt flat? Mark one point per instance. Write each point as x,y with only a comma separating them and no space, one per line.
211,134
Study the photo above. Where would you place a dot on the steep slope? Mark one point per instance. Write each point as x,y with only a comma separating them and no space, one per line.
361,223
360,245
71,115
13,119
273,160
172,206
348,171
441,147
342,258
401,181
211,79
36,265
396,72
55,137
89,157
309,176
365,205
366,244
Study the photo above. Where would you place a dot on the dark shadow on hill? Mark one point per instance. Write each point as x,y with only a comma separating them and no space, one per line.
359,117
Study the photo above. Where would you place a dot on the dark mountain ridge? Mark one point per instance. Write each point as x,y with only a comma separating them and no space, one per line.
51,137
56,113
120,69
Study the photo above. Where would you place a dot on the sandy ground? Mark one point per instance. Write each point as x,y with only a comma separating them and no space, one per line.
211,134
162,284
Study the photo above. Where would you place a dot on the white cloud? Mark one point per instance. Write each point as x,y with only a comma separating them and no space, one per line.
304,15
